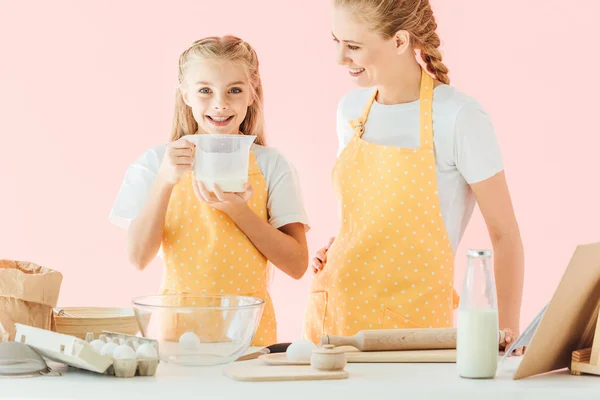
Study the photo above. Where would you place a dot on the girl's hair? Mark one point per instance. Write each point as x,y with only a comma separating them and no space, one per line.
232,49
414,16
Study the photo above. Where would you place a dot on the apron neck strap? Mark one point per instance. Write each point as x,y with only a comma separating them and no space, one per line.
425,109
426,121
358,124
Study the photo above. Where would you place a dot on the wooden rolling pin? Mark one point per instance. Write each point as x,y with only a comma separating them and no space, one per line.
399,339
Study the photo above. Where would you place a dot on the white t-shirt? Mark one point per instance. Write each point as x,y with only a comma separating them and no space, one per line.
465,145
284,204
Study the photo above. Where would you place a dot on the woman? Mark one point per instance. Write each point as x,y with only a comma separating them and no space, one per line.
415,155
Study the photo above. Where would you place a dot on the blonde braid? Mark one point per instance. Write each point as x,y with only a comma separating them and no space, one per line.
432,57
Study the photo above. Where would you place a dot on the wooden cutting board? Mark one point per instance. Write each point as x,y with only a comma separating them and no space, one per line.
355,356
268,373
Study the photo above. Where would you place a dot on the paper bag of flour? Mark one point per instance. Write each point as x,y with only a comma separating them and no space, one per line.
28,293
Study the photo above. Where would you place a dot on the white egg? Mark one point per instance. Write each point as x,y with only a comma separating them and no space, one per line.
124,352
189,341
146,350
300,351
98,345
108,348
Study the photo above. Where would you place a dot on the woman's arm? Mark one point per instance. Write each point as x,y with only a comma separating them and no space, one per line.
286,247
494,201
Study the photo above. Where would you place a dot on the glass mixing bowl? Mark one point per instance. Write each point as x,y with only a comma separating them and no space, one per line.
199,329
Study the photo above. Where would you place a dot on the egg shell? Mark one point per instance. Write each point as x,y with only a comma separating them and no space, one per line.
124,352
108,348
146,350
189,341
300,351
98,345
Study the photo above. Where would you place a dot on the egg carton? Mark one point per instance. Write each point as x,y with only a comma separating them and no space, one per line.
128,368
81,354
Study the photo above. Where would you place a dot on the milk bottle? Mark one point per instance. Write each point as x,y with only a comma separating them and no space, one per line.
477,325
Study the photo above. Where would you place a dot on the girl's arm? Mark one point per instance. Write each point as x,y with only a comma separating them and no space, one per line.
144,235
494,201
145,232
286,247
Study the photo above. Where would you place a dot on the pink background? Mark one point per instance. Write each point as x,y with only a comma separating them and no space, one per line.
85,87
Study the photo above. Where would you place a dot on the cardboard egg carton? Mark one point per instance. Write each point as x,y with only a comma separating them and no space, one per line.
78,353
129,368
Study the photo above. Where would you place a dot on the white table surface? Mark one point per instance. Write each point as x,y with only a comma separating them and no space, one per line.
366,381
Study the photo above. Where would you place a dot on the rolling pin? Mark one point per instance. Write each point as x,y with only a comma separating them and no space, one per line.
399,339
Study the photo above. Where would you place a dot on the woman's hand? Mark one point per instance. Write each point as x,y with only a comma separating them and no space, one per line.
321,258
509,338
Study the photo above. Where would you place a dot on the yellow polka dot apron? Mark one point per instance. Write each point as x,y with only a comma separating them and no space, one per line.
206,253
391,264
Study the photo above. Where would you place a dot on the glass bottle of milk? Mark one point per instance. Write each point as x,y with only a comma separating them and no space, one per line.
477,325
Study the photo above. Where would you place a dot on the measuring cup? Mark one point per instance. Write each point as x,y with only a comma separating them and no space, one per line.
222,159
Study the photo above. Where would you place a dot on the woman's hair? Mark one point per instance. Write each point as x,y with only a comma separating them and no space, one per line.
414,16
232,49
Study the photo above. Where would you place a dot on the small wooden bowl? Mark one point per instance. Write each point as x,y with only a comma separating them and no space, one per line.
328,358
78,321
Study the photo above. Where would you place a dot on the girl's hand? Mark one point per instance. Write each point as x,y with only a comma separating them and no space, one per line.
229,203
508,339
319,261
178,159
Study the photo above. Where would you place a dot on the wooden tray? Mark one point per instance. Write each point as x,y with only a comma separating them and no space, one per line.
354,356
264,373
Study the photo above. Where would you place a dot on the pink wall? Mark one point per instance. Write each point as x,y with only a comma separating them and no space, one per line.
87,86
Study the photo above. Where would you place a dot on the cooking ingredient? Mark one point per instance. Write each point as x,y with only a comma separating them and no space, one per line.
108,348
189,341
300,351
124,352
477,343
146,350
98,345
225,184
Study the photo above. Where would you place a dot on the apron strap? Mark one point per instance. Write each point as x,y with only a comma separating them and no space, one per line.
426,107
358,124
253,167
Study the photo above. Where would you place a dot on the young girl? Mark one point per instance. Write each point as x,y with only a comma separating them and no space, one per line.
216,243
415,155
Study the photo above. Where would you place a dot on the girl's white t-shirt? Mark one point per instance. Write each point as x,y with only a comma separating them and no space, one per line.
284,204
465,145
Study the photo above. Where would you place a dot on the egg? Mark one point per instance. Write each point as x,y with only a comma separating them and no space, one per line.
146,350
108,348
124,352
189,341
300,351
98,345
